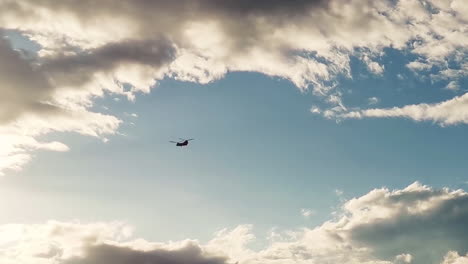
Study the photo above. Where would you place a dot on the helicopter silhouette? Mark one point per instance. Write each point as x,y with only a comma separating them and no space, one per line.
182,142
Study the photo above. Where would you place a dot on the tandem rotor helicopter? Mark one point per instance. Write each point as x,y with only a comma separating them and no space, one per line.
182,142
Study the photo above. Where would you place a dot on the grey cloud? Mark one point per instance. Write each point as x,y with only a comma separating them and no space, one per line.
246,24
238,18
27,85
235,7
109,254
428,235
78,68
262,7
22,86
416,224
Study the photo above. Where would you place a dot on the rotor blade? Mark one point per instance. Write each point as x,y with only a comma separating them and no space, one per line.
190,139
173,142
183,139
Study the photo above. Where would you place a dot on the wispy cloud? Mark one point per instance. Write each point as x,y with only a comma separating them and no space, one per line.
307,212
450,112
373,100
453,86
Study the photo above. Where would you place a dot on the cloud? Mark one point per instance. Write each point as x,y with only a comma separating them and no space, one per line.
398,221
373,100
385,226
450,112
23,88
403,258
418,66
453,86
109,254
454,258
373,66
78,69
307,212
381,227
55,241
103,243
315,110
54,93
212,36
91,49
18,139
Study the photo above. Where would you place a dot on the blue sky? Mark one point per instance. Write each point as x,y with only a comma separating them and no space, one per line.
256,144
367,134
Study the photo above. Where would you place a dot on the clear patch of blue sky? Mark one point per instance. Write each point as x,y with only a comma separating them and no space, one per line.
20,42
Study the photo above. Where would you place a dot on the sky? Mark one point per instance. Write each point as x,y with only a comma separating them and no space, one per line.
324,132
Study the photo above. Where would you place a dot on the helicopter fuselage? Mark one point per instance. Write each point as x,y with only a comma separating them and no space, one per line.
182,144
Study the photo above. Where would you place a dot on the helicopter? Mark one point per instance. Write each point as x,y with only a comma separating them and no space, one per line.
182,142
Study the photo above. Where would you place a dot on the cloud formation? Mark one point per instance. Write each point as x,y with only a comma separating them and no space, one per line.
217,36
380,227
108,254
454,258
32,104
385,226
90,49
450,112
77,69
23,87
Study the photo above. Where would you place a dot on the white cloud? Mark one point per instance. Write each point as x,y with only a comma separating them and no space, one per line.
18,139
315,110
307,212
453,86
450,112
403,258
419,66
454,258
373,66
54,241
373,100
380,227
131,114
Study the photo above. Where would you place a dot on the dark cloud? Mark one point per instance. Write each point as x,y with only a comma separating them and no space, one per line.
236,7
79,68
237,18
26,84
109,254
262,7
428,235
22,86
